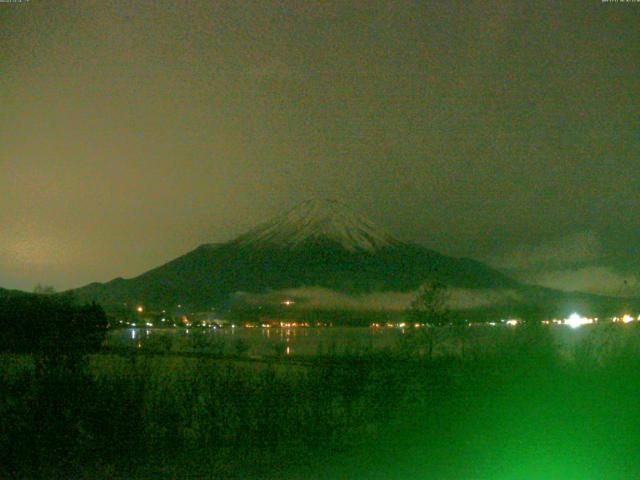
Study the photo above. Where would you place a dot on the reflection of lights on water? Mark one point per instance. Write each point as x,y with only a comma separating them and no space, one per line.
288,350
133,334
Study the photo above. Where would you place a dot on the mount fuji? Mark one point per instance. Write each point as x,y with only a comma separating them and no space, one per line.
320,244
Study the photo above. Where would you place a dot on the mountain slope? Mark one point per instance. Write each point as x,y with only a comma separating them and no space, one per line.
320,244
11,293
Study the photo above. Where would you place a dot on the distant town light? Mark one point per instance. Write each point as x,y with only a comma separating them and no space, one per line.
575,320
627,318
140,309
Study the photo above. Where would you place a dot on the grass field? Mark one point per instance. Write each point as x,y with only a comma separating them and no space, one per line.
526,408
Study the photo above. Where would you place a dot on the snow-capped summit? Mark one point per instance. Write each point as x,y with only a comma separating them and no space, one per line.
319,220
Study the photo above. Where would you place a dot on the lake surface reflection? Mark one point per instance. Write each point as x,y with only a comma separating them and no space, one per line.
257,341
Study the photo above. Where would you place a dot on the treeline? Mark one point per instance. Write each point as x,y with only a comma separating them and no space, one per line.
50,326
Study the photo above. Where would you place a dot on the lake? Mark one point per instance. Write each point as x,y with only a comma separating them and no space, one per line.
305,341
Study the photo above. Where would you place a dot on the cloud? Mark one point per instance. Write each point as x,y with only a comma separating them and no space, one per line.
462,299
32,251
574,262
572,249
319,297
590,279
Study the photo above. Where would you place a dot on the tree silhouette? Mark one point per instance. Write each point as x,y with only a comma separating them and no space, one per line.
429,308
430,305
44,289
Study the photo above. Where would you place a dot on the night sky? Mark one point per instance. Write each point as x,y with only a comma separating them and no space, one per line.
505,131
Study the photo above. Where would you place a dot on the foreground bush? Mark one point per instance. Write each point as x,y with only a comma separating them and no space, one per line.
50,326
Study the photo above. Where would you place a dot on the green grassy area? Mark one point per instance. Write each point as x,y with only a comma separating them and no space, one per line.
523,410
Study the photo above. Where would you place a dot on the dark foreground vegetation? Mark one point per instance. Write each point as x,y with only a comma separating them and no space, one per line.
54,328
523,410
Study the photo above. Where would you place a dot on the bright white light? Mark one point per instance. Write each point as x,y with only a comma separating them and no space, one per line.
512,322
627,318
575,320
